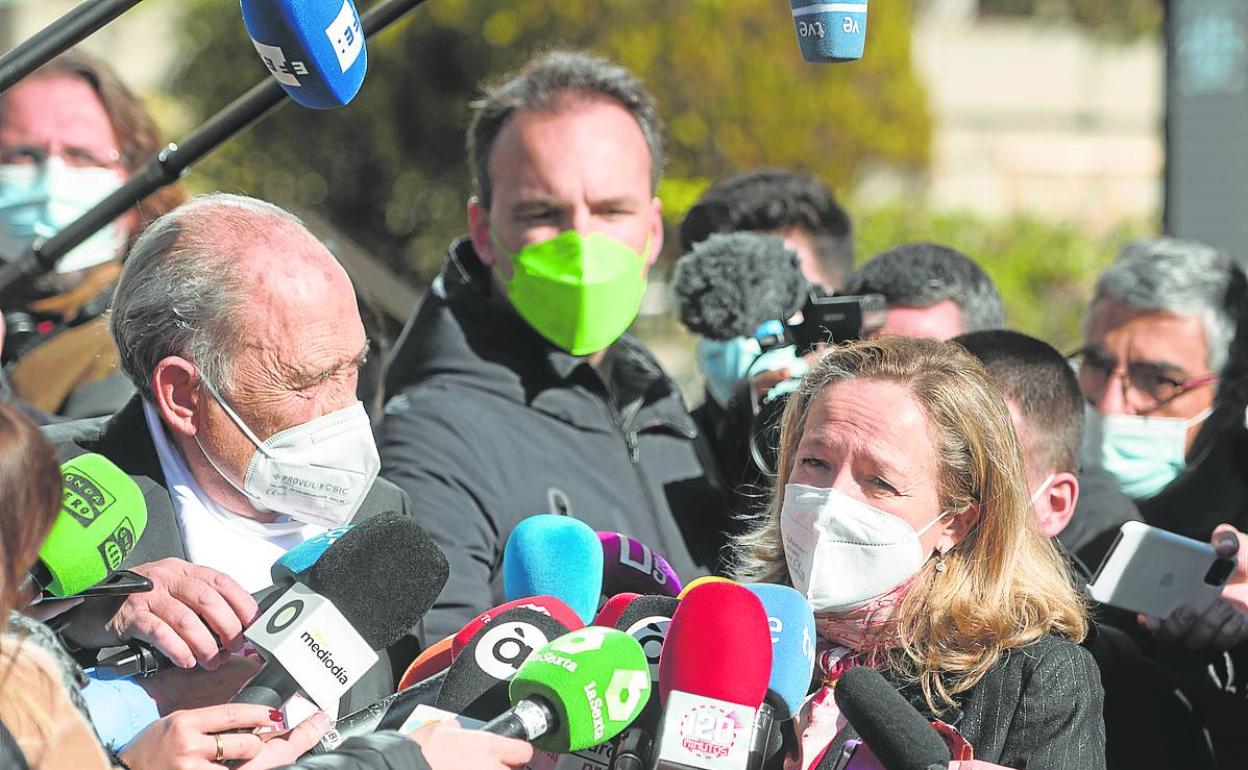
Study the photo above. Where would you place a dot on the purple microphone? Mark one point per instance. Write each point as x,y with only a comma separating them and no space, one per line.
631,566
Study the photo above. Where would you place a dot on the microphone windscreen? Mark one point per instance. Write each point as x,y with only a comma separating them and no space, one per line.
792,625
702,581
899,736
647,619
476,682
103,514
549,555
432,660
612,609
731,283
718,627
313,48
830,32
547,605
297,562
383,575
630,565
597,681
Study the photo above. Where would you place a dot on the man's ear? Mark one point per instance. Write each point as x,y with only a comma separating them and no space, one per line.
479,230
656,232
1060,499
176,393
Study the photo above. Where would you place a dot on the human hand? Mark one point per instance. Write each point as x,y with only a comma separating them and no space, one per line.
1224,623
176,689
447,746
186,606
203,739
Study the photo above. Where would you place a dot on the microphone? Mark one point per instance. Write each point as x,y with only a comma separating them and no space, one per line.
613,608
549,555
476,683
830,32
578,691
313,48
646,619
317,637
547,605
700,582
143,660
630,566
708,717
432,660
792,626
477,677
102,516
732,283
895,732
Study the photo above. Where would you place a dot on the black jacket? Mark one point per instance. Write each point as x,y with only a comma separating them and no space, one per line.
125,439
377,751
488,424
1039,708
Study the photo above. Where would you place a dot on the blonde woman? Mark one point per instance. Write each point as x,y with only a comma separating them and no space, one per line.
901,512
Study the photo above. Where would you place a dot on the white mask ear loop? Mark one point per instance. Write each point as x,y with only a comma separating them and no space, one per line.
1040,489
234,416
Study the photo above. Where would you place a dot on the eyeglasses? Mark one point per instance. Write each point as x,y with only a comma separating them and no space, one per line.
1094,368
74,157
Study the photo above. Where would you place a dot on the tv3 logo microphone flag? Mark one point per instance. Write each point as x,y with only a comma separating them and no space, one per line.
313,48
830,32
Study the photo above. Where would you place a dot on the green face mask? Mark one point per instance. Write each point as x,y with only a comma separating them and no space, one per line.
581,292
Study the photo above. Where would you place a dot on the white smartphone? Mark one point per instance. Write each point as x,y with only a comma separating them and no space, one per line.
1152,572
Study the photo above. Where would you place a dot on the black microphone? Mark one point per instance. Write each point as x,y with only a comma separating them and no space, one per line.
732,283
383,575
475,684
899,736
646,619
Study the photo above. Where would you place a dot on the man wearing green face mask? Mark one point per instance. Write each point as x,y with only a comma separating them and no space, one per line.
515,389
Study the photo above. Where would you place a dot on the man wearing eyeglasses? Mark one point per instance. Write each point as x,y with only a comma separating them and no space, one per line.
1156,338
70,134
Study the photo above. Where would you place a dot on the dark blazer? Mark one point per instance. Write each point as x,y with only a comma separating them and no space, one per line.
1039,708
125,439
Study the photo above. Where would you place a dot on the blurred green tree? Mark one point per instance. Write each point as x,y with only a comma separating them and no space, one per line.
390,169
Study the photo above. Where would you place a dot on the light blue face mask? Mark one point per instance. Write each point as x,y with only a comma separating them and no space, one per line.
724,363
38,200
1143,454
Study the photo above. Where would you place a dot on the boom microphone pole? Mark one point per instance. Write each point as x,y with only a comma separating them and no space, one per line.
59,36
168,165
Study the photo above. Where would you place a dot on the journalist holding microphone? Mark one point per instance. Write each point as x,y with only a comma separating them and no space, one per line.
901,512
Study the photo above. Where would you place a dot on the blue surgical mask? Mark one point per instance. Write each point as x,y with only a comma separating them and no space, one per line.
724,363
38,200
1143,454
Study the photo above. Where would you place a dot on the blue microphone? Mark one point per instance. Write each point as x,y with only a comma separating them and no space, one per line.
295,563
313,48
549,555
792,625
830,32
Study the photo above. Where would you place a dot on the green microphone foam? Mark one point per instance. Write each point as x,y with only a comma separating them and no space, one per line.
596,679
102,516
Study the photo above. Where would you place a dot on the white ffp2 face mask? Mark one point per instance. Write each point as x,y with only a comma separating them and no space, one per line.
841,552
318,472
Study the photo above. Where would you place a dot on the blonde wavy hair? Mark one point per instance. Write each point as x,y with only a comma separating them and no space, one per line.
1005,585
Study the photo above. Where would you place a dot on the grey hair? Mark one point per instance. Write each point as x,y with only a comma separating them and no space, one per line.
925,274
545,83
1183,277
181,292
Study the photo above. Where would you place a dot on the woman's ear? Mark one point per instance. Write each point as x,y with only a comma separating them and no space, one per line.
957,526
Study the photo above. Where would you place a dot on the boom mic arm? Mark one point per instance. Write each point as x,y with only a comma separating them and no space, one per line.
59,36
168,165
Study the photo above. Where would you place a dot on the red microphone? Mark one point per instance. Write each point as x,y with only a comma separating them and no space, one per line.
432,660
613,609
547,605
713,676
